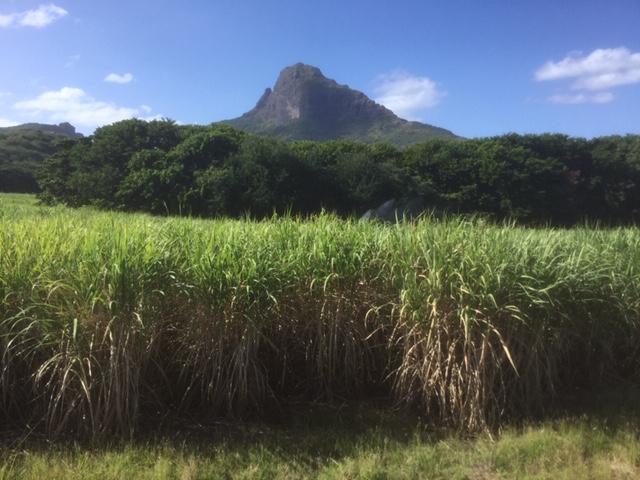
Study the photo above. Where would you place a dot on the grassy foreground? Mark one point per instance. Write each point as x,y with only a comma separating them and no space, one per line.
599,440
113,322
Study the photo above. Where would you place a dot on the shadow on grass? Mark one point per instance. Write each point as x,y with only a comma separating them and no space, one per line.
315,432
304,430
608,410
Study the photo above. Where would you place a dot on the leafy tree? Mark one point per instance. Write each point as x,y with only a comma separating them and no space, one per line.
113,147
91,170
365,182
615,178
58,175
160,167
262,182
151,184
198,153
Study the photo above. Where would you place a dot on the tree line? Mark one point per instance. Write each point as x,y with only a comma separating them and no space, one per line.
161,167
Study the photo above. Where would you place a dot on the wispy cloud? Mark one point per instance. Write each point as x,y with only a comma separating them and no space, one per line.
573,99
75,106
115,78
40,17
73,59
602,69
406,94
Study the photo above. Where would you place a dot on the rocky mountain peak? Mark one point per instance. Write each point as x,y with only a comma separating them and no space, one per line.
302,92
306,105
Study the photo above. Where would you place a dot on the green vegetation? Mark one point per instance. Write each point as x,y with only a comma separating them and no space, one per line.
217,171
162,168
366,129
184,348
354,441
17,201
21,152
109,321
23,149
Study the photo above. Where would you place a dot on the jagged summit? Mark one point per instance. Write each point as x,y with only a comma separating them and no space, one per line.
305,105
303,93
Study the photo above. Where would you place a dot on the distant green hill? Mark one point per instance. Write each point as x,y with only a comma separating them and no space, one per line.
305,105
22,150
65,129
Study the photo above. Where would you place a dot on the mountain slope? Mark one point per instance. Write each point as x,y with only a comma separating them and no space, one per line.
65,129
305,105
22,150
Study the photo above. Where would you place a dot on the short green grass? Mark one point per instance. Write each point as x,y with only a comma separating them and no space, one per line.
12,200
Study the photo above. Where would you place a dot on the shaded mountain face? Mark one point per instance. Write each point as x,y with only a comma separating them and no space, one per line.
305,105
23,148
64,128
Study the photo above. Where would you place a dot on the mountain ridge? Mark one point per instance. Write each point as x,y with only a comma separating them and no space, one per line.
64,128
306,105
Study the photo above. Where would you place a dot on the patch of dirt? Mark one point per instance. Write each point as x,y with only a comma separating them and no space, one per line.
482,471
623,470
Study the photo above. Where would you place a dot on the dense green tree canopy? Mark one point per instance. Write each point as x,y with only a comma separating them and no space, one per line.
164,168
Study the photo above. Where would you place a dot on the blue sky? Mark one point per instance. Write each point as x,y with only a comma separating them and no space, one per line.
476,67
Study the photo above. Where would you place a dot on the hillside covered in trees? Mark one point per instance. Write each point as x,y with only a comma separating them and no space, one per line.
164,168
21,152
23,148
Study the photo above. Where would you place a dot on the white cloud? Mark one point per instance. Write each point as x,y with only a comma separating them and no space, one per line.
608,80
75,106
115,78
7,123
406,94
40,17
602,69
6,20
43,16
152,118
602,97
